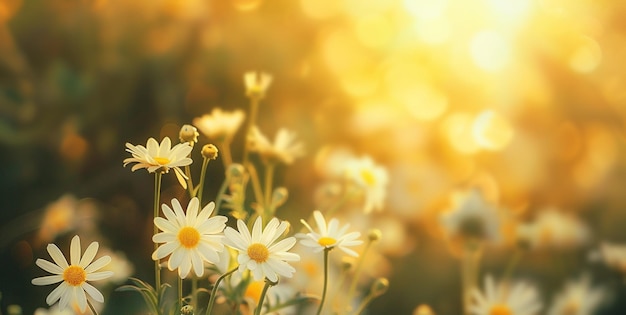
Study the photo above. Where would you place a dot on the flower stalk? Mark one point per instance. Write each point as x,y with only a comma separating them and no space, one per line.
215,287
326,250
157,198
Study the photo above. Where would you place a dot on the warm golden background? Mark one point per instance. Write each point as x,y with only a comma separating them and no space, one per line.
524,99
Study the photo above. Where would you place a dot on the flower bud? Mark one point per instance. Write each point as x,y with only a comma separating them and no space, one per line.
189,134
279,196
234,171
209,152
347,263
186,310
379,287
423,310
374,235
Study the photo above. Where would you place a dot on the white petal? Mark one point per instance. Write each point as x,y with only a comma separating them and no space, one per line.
89,255
244,232
75,250
164,237
321,223
257,230
197,264
176,259
164,250
165,225
185,267
178,210
46,280
192,211
49,267
56,294
235,239
57,256
93,292
169,214
283,245
269,233
100,275
81,299
99,263
206,212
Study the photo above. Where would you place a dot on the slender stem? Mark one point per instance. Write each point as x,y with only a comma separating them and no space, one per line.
256,185
214,291
189,181
364,304
357,271
469,274
220,196
194,292
259,306
180,292
269,178
93,309
225,153
205,162
326,250
254,104
157,198
508,272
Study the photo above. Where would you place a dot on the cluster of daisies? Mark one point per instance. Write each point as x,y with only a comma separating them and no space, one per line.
193,240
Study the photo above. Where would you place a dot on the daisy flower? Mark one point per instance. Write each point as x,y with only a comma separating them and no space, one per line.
372,178
578,298
330,236
258,252
256,83
472,218
190,239
285,149
516,299
73,276
162,157
220,125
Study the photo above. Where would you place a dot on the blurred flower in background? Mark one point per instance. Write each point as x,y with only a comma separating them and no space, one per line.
429,120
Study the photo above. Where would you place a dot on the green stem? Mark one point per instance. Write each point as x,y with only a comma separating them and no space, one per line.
256,185
259,306
93,309
194,292
225,153
269,178
358,270
508,272
471,256
254,104
220,195
215,287
205,162
157,198
180,292
326,250
364,304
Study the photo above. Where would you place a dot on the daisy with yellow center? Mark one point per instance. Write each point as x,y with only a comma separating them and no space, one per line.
73,276
258,251
284,149
516,299
220,125
371,178
330,236
579,297
190,239
256,83
161,157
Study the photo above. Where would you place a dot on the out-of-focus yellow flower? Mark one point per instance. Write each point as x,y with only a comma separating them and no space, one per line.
256,83
220,125
472,218
370,177
613,255
505,299
578,297
59,217
554,228
423,310
285,149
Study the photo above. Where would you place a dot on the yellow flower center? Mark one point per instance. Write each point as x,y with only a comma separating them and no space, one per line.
74,275
500,309
326,241
368,176
188,237
258,252
162,160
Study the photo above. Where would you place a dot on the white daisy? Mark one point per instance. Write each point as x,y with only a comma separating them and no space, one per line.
220,125
285,149
330,236
162,157
578,298
259,253
371,178
516,299
73,276
613,255
472,218
256,83
189,239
